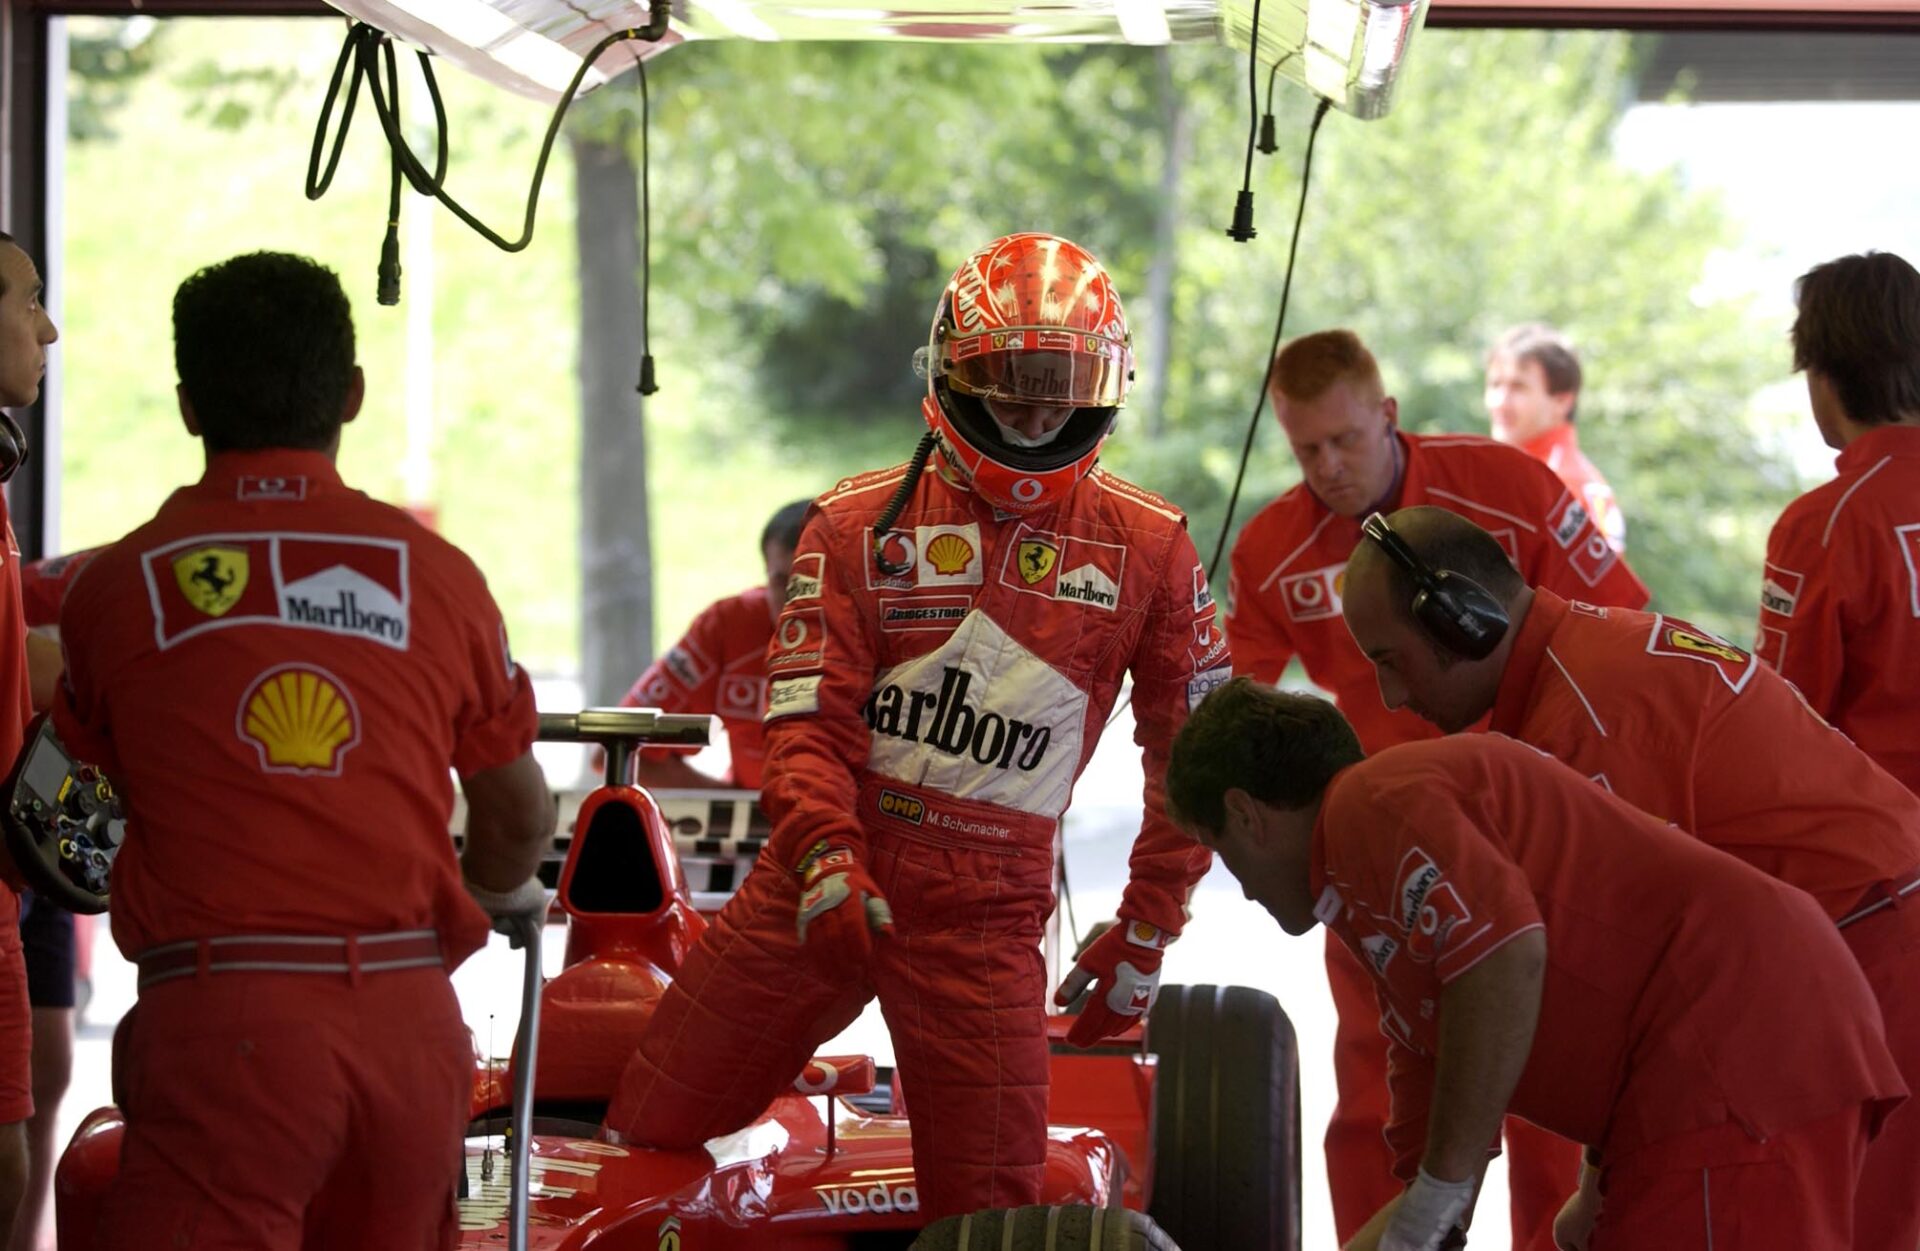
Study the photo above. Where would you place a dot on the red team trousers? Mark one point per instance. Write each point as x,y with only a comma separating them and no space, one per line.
351,1103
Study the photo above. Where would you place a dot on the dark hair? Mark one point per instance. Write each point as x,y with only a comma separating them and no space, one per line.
1305,367
263,344
1445,541
1280,747
6,238
1859,326
1549,349
785,525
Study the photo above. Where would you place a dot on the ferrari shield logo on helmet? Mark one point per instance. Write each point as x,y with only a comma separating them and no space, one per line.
1037,560
212,578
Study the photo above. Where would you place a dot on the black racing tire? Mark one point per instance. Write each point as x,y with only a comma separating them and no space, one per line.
1040,1228
1226,1119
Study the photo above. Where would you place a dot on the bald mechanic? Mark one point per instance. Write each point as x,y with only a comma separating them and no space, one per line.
1682,726
280,673
1840,602
1542,947
1289,568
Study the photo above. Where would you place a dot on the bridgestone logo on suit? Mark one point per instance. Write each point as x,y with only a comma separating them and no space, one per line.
945,721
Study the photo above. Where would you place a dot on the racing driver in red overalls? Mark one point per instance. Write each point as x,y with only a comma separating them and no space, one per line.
951,647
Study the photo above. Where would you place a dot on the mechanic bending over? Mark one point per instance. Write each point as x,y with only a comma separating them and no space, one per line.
950,649
719,667
1840,603
1541,946
25,333
1683,726
1283,600
278,672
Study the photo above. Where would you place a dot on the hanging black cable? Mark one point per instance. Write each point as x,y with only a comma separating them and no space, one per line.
1268,144
647,385
1279,329
1260,403
1242,229
359,63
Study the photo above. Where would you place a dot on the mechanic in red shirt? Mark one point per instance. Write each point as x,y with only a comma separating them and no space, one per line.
278,673
25,333
1685,727
1840,603
1289,570
719,667
951,647
50,936
1533,398
1542,947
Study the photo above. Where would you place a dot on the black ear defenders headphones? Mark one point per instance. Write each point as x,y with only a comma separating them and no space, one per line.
1456,612
13,447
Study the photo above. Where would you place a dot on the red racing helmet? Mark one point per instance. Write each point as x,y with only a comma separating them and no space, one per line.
1029,319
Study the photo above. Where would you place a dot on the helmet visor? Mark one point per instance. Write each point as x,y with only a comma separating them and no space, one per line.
1038,365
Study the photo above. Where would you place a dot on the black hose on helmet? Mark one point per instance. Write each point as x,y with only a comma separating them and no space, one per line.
916,466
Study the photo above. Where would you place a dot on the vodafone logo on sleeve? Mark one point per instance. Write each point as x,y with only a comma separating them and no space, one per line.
1314,595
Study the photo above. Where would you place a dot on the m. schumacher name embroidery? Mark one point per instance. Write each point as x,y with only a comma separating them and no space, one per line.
339,584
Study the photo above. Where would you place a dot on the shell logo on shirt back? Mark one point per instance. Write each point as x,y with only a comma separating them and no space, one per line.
300,719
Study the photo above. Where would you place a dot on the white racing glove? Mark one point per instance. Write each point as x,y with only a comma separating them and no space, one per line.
517,913
1426,1214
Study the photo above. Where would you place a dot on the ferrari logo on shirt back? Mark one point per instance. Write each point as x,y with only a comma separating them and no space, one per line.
212,578
1688,641
1037,560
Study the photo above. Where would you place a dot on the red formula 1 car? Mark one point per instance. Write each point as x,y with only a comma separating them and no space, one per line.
1196,1123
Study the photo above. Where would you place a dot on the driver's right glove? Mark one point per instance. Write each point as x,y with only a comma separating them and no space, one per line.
840,907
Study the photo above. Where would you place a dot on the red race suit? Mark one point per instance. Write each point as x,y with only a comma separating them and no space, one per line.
16,709
1559,450
1840,602
278,671
1701,1024
1700,734
719,668
1283,600
935,720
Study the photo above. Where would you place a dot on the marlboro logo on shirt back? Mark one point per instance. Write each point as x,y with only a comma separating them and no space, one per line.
338,584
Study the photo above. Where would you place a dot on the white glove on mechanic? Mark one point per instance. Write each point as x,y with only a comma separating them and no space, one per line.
517,913
1426,1214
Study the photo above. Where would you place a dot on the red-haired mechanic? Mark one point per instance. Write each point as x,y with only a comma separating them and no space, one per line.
1283,601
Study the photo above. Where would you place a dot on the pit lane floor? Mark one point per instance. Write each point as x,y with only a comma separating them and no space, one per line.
1229,940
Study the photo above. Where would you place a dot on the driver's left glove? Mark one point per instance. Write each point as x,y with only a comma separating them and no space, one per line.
1123,967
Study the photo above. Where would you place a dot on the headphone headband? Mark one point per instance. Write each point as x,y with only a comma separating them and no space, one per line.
1455,611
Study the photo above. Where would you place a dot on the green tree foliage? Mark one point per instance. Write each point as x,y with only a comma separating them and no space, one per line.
808,201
